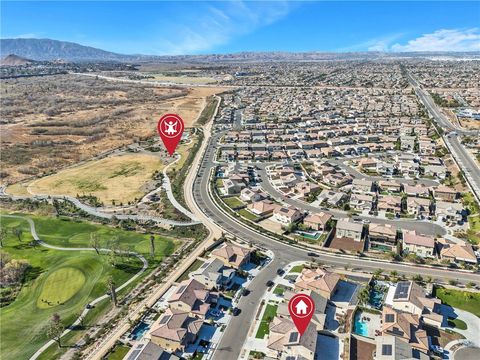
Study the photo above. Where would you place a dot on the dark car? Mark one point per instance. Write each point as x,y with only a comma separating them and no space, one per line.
313,254
280,271
270,283
236,311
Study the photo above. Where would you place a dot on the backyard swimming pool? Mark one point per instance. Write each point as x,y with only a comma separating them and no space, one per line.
139,331
360,327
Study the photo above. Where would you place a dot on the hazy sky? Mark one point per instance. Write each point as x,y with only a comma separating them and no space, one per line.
220,27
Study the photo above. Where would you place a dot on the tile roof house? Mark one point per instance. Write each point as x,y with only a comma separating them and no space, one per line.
391,186
213,274
285,339
318,280
175,330
390,347
147,350
389,203
458,252
406,327
287,215
362,186
334,198
418,206
252,195
193,297
319,316
423,246
411,298
449,210
361,202
346,228
446,193
262,208
416,190
317,221
232,255
383,235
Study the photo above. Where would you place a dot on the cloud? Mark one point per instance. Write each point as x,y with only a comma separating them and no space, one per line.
443,40
375,44
26,36
220,23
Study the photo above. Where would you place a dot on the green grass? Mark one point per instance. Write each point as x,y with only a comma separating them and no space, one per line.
233,202
118,353
297,269
473,232
219,183
280,289
60,286
268,315
56,275
457,324
248,215
463,300
196,264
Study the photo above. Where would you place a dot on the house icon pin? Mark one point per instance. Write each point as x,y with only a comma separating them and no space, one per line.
301,308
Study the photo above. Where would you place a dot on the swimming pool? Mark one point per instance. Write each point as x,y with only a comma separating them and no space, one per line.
360,327
139,331
314,236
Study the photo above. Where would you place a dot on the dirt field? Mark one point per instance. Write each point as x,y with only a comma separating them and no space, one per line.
115,178
185,79
51,122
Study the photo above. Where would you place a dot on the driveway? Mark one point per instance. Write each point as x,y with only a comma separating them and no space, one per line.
473,323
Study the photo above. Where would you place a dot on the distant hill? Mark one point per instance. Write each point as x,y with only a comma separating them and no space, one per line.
46,49
14,60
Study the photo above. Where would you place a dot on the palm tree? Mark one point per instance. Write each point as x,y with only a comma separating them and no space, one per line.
152,245
394,274
377,273
111,287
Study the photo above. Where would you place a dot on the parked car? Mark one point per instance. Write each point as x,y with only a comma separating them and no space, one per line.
236,311
280,271
313,254
270,283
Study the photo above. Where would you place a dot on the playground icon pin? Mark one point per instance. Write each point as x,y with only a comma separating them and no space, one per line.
301,308
170,128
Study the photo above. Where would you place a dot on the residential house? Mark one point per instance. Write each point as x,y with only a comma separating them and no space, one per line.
423,246
391,186
445,193
334,198
361,202
461,252
262,208
418,206
346,228
317,221
411,298
286,340
318,317
390,347
449,210
252,195
382,236
436,171
193,297
232,255
213,274
304,189
416,190
362,186
175,330
389,203
287,215
406,327
318,280
148,350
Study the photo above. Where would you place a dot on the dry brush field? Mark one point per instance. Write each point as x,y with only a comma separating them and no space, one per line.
47,123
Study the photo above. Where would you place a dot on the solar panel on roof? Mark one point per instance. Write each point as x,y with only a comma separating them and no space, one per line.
401,292
181,289
387,349
134,354
293,337
165,319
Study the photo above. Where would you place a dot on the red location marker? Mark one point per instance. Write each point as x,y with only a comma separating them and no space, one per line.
170,128
301,308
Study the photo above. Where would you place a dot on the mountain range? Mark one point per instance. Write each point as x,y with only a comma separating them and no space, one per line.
48,49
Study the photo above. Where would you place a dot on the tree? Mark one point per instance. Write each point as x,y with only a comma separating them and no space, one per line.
3,235
94,242
111,287
152,245
377,273
55,329
394,274
18,232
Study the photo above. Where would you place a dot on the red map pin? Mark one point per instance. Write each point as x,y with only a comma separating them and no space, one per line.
170,128
301,308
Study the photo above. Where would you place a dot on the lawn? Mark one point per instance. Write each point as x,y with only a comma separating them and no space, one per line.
118,352
457,324
248,215
233,202
280,289
268,315
115,178
196,264
64,280
297,269
474,230
463,300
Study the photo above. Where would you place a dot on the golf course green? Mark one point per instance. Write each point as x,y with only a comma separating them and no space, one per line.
63,282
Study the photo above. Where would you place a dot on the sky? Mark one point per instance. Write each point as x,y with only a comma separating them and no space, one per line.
197,27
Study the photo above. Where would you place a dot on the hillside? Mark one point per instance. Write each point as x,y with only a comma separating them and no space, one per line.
47,49
14,60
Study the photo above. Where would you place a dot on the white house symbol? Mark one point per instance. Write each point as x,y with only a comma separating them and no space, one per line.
301,308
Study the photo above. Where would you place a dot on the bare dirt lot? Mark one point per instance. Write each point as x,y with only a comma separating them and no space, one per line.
47,123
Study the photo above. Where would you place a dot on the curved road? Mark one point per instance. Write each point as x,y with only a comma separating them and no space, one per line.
235,334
